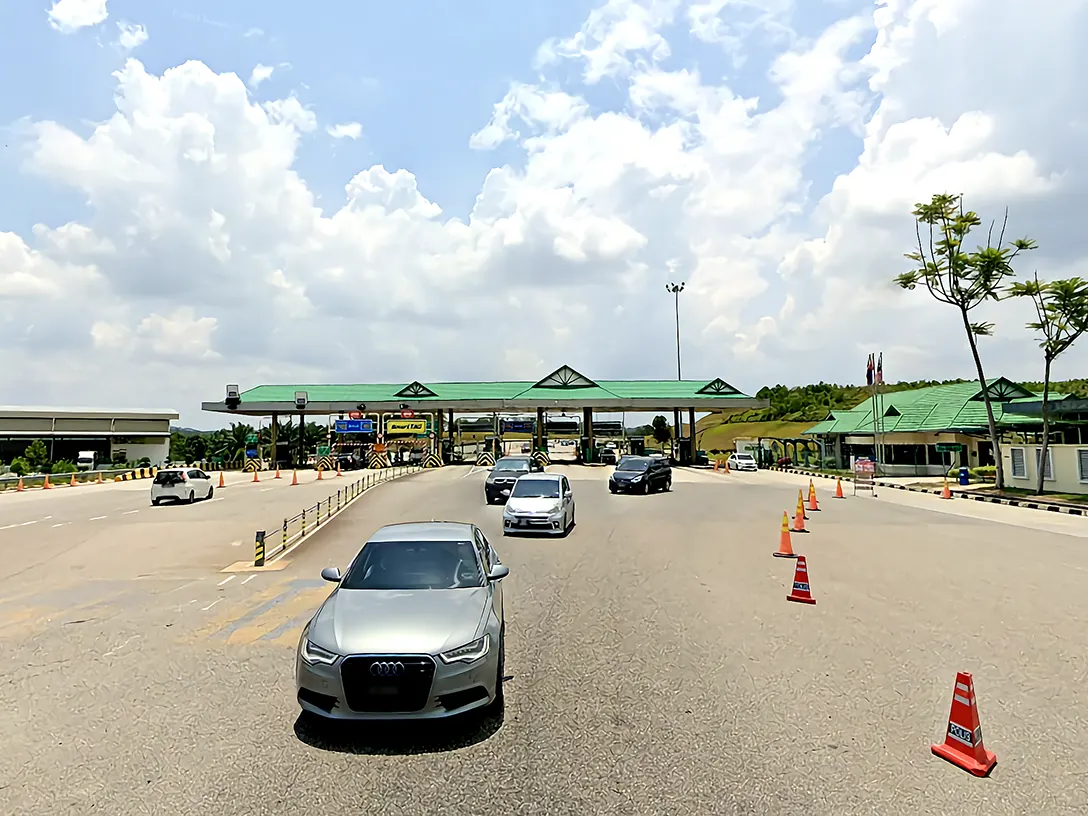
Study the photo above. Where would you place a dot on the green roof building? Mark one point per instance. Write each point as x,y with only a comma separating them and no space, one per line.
919,429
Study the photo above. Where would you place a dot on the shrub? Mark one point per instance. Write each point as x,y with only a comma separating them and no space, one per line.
19,466
63,466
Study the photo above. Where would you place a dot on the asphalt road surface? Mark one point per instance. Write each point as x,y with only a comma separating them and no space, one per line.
654,667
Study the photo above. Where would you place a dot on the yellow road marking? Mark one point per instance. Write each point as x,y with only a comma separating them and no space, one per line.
306,600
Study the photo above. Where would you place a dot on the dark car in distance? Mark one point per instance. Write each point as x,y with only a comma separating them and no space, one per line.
500,481
640,474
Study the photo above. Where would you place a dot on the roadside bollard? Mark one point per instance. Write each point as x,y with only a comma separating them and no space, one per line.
303,533
338,499
258,549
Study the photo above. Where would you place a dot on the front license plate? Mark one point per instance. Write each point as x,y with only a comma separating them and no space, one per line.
383,691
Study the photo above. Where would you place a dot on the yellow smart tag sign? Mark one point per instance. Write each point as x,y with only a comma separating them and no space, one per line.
406,426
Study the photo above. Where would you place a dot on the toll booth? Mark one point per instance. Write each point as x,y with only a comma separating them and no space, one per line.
587,454
683,454
637,446
447,451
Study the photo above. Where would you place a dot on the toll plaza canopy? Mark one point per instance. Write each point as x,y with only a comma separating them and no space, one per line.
564,388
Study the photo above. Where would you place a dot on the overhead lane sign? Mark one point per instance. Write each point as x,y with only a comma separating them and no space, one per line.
354,426
406,427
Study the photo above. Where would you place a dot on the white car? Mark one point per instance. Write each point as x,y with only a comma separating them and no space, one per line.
539,502
181,485
742,461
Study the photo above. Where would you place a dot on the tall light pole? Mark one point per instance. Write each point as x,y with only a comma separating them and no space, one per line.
675,289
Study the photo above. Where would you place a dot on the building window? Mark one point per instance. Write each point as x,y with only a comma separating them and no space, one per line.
1082,464
1048,473
1019,465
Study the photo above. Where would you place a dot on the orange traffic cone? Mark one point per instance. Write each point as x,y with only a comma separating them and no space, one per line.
785,546
294,477
99,479
256,478
799,521
962,744
20,487
338,473
72,483
838,490
801,503
45,484
812,504
802,592
277,476
946,493
222,481
727,466
319,471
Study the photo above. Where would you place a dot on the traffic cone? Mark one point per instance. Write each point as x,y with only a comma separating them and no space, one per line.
20,488
946,493
962,744
727,466
72,483
785,546
222,481
799,521
256,477
812,503
277,476
99,480
338,473
802,592
319,476
294,477
801,503
45,484
838,489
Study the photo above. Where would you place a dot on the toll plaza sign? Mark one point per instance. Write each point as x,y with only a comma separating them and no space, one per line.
406,427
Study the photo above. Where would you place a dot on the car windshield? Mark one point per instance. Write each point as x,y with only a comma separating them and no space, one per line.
633,464
536,489
512,464
747,456
406,565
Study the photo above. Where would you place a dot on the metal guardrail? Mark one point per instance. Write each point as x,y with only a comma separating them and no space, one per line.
295,528
9,481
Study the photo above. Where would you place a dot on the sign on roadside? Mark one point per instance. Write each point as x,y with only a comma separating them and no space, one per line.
354,426
323,450
355,415
406,414
251,439
949,447
864,475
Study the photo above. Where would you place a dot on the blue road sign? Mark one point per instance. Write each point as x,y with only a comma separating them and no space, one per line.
251,453
349,426
517,425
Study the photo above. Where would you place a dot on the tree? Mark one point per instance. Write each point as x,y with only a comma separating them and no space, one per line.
37,456
179,447
662,430
1062,309
963,279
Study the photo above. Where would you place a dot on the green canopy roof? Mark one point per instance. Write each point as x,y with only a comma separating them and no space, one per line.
953,407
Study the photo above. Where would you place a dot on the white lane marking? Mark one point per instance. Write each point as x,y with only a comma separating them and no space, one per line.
47,518
129,512
247,580
27,523
209,606
236,543
266,489
8,526
226,580
209,501
96,518
470,472
61,524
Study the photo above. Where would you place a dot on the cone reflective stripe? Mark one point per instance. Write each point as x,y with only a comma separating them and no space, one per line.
812,503
802,592
785,546
838,490
962,744
801,503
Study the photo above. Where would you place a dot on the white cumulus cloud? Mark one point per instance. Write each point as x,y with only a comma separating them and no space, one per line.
259,74
132,35
204,256
67,16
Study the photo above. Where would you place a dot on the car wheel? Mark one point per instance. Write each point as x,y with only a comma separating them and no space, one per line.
612,489
668,485
211,491
155,502
192,496
496,706
646,489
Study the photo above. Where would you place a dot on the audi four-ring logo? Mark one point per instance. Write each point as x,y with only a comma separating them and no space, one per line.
387,669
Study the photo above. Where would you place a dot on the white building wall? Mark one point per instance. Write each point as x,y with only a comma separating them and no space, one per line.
157,450
1068,467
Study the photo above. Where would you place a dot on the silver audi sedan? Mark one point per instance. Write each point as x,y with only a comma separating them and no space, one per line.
413,630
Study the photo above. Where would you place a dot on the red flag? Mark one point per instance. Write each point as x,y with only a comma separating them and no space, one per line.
880,369
869,371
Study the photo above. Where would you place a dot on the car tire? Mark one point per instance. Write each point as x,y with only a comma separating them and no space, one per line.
192,497
668,485
612,489
495,707
646,489
211,492
155,502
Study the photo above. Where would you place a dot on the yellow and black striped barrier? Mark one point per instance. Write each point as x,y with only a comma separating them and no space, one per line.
485,459
252,465
541,458
258,549
137,473
325,463
375,461
431,460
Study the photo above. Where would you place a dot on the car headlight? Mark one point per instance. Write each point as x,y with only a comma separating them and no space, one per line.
316,655
637,479
469,653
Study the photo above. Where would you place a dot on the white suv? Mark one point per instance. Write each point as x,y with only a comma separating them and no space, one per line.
181,484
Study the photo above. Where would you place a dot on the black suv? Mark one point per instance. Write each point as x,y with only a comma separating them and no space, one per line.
500,481
641,474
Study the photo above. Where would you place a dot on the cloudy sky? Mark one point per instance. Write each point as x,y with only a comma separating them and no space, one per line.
201,192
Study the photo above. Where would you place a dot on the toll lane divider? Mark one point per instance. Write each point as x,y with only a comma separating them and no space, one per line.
46,481
269,545
962,494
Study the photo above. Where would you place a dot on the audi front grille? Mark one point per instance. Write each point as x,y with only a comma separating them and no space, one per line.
387,683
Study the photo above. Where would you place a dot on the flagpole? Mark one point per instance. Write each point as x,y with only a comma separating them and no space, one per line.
880,396
872,391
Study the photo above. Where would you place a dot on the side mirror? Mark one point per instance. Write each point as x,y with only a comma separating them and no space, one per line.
331,574
498,572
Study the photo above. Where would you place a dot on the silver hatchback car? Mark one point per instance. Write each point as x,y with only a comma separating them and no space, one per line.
414,629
